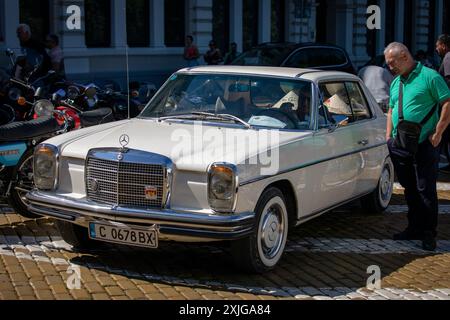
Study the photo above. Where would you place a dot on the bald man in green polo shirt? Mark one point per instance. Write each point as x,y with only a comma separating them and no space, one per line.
423,91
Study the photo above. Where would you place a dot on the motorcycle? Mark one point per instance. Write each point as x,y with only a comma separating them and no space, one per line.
21,95
136,99
78,117
17,143
18,88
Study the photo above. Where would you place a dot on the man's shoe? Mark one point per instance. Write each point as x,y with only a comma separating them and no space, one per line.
429,242
408,235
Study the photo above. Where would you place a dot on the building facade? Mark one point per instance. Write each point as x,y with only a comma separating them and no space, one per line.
152,32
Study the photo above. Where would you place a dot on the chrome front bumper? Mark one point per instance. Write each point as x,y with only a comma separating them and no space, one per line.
172,224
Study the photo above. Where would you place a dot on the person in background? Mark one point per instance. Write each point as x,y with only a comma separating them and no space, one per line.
423,90
232,54
378,80
56,54
213,56
191,53
443,50
34,51
422,57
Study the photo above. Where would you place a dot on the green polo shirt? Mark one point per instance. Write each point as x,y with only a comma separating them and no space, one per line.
422,90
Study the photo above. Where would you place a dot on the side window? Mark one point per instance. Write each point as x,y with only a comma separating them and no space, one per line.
336,57
299,60
317,57
336,102
358,102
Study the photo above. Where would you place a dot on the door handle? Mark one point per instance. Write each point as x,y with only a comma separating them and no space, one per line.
364,142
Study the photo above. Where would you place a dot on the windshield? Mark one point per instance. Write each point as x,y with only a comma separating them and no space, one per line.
272,56
257,101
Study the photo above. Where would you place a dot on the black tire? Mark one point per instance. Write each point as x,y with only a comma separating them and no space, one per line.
23,179
75,235
378,201
26,130
248,253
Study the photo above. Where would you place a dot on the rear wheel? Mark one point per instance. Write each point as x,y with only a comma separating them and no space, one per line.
22,184
261,251
378,201
75,235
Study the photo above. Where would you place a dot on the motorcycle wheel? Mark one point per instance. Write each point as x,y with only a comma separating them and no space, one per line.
22,183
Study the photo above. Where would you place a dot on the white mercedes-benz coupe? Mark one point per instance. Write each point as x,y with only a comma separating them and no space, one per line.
220,153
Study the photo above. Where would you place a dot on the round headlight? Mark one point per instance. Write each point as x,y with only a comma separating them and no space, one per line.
90,92
222,182
45,167
222,185
43,108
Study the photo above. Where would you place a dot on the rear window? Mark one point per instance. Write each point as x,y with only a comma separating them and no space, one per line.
272,56
316,57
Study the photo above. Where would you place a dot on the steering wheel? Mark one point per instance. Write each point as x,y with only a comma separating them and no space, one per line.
289,120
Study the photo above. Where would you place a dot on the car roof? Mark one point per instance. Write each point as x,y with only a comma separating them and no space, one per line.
294,73
294,45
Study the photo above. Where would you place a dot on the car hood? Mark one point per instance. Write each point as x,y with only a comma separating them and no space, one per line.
190,146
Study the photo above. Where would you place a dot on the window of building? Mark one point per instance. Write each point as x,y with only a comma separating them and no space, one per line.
221,24
2,18
446,13
174,22
37,15
371,35
98,23
432,25
138,23
250,23
278,21
322,20
390,21
409,23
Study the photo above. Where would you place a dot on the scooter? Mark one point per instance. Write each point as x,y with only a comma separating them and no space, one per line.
17,143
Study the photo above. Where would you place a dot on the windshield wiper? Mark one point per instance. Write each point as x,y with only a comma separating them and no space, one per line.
207,115
177,116
223,117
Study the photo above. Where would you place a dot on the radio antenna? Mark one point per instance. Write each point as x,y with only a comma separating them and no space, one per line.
128,81
128,72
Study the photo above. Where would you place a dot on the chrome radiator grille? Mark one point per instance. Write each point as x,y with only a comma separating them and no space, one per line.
125,184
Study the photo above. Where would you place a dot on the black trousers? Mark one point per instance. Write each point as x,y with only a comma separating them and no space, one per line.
419,178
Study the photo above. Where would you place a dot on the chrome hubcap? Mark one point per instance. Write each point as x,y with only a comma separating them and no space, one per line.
386,186
272,231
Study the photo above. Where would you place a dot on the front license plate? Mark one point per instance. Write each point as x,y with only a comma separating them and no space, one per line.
133,236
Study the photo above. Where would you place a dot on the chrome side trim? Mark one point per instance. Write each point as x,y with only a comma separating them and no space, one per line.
72,209
306,165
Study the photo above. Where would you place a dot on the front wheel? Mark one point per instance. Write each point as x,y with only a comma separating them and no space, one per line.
22,184
261,251
378,201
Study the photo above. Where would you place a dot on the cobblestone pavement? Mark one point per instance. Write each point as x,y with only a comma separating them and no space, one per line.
327,258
